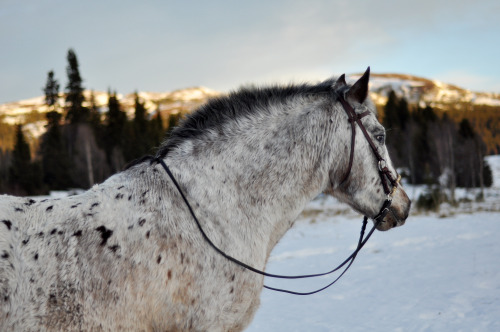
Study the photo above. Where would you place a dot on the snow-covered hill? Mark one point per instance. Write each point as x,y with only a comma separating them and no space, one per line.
414,89
165,102
423,91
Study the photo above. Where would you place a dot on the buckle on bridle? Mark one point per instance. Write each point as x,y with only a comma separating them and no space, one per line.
382,164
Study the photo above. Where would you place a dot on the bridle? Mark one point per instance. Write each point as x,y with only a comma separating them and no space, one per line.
384,173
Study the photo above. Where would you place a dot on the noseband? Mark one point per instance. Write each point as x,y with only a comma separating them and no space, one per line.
384,173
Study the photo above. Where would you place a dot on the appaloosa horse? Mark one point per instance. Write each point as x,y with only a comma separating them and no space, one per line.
127,255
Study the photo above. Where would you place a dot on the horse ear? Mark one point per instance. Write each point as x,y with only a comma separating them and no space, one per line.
340,82
359,91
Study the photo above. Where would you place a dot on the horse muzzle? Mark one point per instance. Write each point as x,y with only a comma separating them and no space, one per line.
397,212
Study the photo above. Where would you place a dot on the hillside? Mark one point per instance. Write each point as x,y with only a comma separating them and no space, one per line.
459,102
166,102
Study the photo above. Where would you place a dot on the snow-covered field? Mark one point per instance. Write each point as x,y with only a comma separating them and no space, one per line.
434,273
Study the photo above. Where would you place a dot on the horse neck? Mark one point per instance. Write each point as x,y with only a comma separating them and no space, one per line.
251,184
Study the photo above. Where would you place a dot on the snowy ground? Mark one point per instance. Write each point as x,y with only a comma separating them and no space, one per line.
438,272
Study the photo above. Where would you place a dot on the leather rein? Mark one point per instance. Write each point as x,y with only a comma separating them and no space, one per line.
384,173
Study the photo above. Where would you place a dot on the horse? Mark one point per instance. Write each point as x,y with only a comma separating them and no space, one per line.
127,255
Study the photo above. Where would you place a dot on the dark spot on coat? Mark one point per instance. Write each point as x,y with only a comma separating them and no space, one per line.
54,231
141,222
76,205
7,223
232,278
5,255
105,234
130,197
18,210
147,234
94,205
36,256
30,202
169,274
25,242
119,196
121,187
49,208
232,290
78,233
41,234
182,258
60,232
144,193
158,260
142,202
114,248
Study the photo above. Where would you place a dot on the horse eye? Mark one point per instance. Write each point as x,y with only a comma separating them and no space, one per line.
380,138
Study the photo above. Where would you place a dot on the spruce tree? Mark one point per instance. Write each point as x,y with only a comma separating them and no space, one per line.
55,160
114,132
140,131
390,111
51,90
22,173
74,92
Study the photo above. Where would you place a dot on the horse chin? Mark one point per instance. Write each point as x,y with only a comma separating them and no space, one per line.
390,221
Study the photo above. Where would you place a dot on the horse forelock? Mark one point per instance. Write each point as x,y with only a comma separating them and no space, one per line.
247,102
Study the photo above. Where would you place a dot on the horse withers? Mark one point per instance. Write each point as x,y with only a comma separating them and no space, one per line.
126,254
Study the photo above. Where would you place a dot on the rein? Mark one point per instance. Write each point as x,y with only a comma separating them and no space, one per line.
383,171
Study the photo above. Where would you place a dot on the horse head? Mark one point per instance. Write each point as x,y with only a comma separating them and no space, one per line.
369,182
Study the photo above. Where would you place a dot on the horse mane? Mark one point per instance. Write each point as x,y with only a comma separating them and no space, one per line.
245,102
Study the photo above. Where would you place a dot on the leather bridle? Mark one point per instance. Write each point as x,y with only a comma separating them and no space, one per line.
383,171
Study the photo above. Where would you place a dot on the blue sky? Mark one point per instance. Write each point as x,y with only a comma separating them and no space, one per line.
166,45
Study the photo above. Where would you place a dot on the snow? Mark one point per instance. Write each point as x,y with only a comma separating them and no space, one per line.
432,274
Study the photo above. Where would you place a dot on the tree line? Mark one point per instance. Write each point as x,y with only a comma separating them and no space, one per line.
433,149
82,145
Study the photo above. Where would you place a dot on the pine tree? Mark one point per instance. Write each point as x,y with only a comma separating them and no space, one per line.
391,111
23,175
51,90
114,131
94,115
140,131
74,98
55,160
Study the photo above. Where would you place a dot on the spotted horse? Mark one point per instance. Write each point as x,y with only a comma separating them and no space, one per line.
127,255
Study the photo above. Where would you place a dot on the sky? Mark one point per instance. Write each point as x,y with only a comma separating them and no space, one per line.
167,45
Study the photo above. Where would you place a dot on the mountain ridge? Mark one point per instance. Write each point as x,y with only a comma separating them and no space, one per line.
417,90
